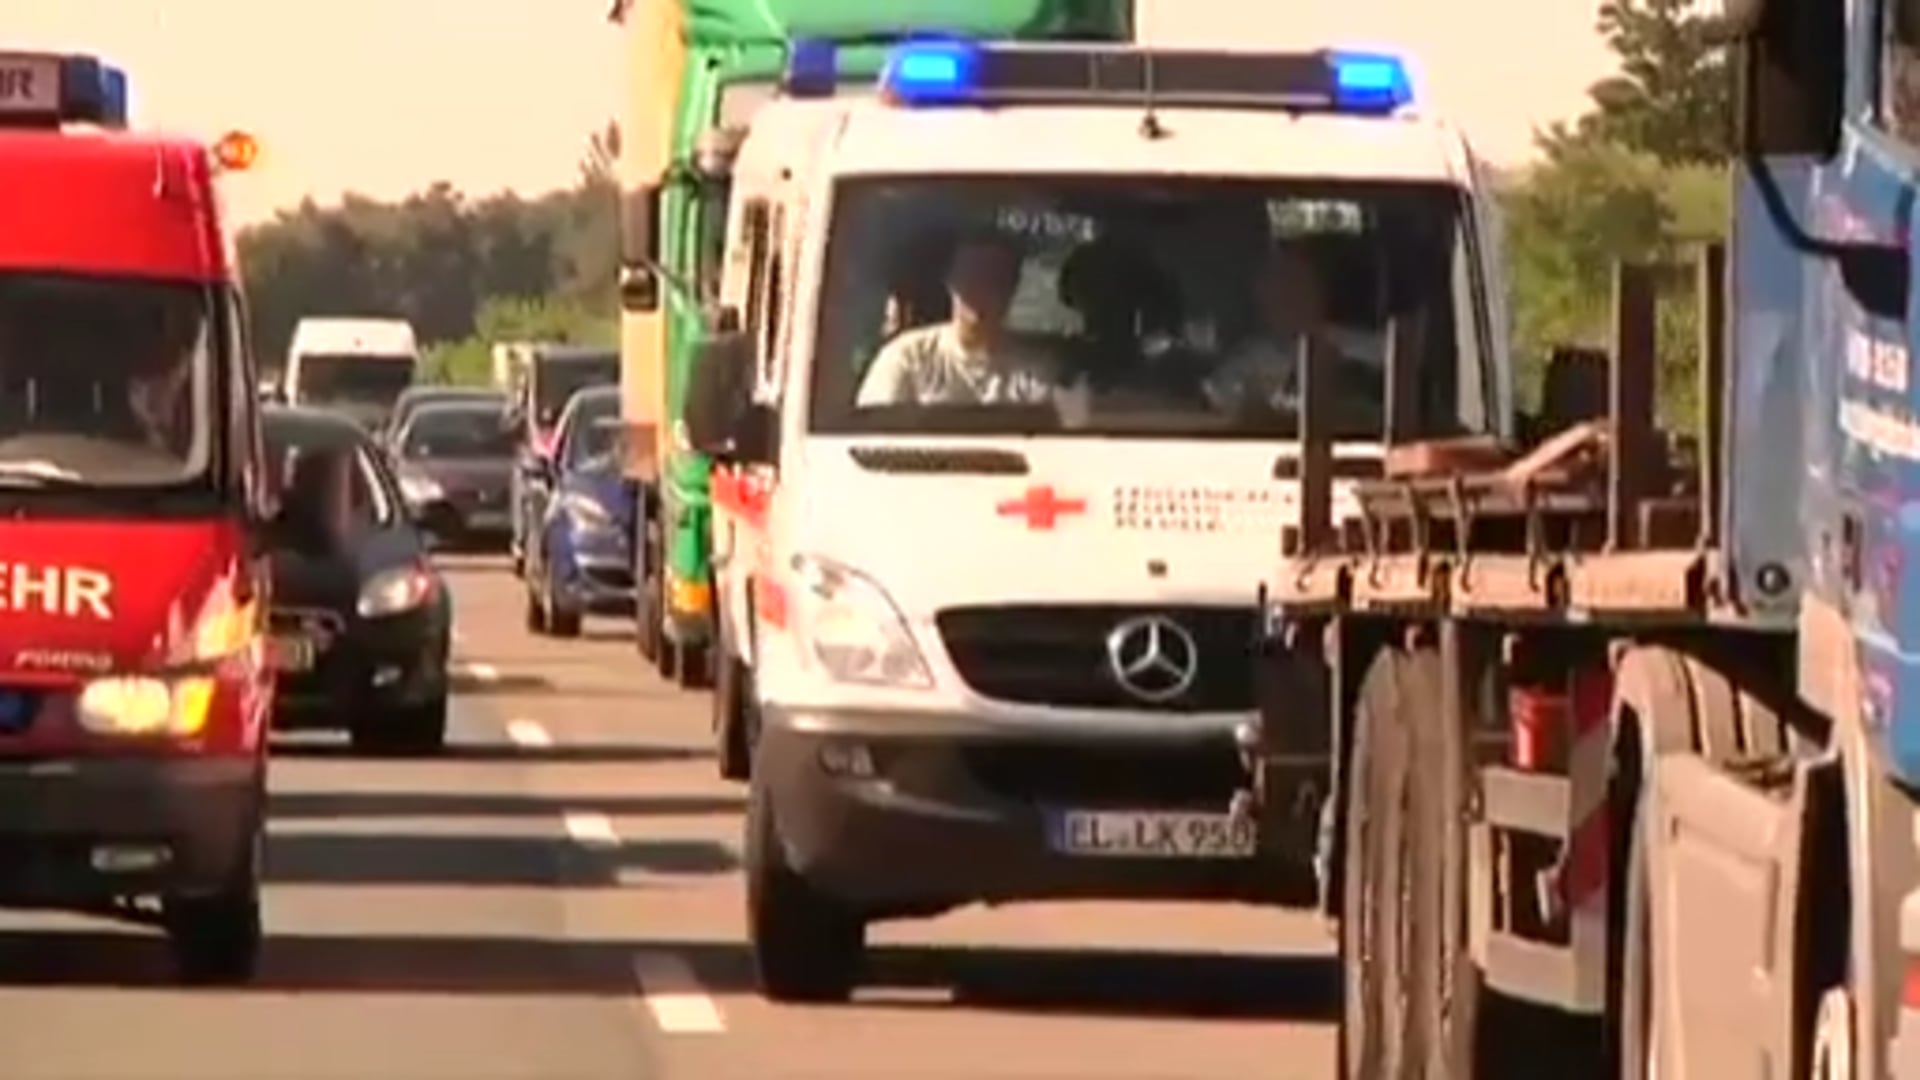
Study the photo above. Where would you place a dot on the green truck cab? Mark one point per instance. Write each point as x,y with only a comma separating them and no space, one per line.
698,71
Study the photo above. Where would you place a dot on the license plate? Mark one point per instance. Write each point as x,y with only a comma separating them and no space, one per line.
1119,834
295,653
487,519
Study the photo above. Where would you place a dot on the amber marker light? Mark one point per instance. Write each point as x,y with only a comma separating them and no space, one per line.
236,151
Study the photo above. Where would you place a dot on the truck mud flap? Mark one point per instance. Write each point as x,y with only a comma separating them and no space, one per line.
1723,871
1572,976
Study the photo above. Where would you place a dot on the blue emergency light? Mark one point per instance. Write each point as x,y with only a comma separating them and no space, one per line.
813,69
48,90
955,72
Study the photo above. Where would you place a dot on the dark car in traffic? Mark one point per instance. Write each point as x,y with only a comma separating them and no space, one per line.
580,558
362,620
541,390
456,465
413,397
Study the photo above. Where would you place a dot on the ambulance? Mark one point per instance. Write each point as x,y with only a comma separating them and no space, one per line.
134,509
1004,388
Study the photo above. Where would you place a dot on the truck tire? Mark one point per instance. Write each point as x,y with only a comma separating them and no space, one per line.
649,605
806,946
216,940
1445,994
1373,912
693,667
647,638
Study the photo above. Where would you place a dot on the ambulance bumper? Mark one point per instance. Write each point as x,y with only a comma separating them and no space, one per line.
79,832
899,816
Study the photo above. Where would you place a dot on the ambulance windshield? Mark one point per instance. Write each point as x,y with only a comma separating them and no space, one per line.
104,382
1142,306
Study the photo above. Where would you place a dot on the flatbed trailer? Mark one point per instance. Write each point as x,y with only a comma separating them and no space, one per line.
1626,752
1548,696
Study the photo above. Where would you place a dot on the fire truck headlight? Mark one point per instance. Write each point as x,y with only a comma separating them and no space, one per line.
141,705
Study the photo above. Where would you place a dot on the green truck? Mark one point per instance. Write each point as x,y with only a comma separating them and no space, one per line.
698,71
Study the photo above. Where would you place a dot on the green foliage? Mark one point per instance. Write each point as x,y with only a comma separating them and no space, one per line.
1641,177
470,359
456,267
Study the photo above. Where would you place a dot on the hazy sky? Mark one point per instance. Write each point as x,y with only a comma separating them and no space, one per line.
385,96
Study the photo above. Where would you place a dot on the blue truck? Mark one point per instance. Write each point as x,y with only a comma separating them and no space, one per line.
1627,721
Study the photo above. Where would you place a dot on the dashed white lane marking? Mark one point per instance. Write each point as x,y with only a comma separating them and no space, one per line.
680,1006
591,830
528,734
484,672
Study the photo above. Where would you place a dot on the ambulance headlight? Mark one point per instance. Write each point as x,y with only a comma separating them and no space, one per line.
850,626
145,706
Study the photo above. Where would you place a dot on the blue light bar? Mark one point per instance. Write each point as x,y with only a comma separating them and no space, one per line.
813,69
932,72
1370,82
48,89
956,72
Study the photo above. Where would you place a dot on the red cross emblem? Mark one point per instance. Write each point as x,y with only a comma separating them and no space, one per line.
1041,506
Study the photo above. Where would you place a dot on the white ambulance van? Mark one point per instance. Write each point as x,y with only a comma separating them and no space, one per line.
1002,390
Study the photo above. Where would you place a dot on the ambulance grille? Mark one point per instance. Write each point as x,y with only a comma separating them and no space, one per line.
1057,655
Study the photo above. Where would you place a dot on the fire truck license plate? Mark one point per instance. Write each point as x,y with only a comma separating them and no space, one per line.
293,652
1150,835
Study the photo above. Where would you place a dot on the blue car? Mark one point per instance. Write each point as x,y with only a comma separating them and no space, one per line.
579,558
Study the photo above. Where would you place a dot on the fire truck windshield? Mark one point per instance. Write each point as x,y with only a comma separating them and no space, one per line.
104,382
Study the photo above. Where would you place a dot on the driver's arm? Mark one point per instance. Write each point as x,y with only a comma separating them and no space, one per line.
890,378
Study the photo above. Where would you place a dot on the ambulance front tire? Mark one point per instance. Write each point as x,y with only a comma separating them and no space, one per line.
806,947
216,939
733,718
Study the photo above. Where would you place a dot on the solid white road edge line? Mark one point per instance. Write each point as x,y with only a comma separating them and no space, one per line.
590,829
680,1006
527,733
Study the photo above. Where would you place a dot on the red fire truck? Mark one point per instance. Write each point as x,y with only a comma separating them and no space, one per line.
135,679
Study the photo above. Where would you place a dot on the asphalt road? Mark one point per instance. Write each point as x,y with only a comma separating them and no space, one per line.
558,897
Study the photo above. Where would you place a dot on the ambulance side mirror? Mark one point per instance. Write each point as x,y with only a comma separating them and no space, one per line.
722,420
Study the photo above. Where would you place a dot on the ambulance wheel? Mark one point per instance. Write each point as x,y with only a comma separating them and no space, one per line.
217,939
806,947
536,612
732,702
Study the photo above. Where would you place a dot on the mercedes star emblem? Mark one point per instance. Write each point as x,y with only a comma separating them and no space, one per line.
1153,658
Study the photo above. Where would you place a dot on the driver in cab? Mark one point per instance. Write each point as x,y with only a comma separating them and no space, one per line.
971,358
1290,308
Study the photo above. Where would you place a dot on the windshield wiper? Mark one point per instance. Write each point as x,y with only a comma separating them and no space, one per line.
38,474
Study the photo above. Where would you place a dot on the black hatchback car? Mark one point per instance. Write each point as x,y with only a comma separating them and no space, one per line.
362,620
456,462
